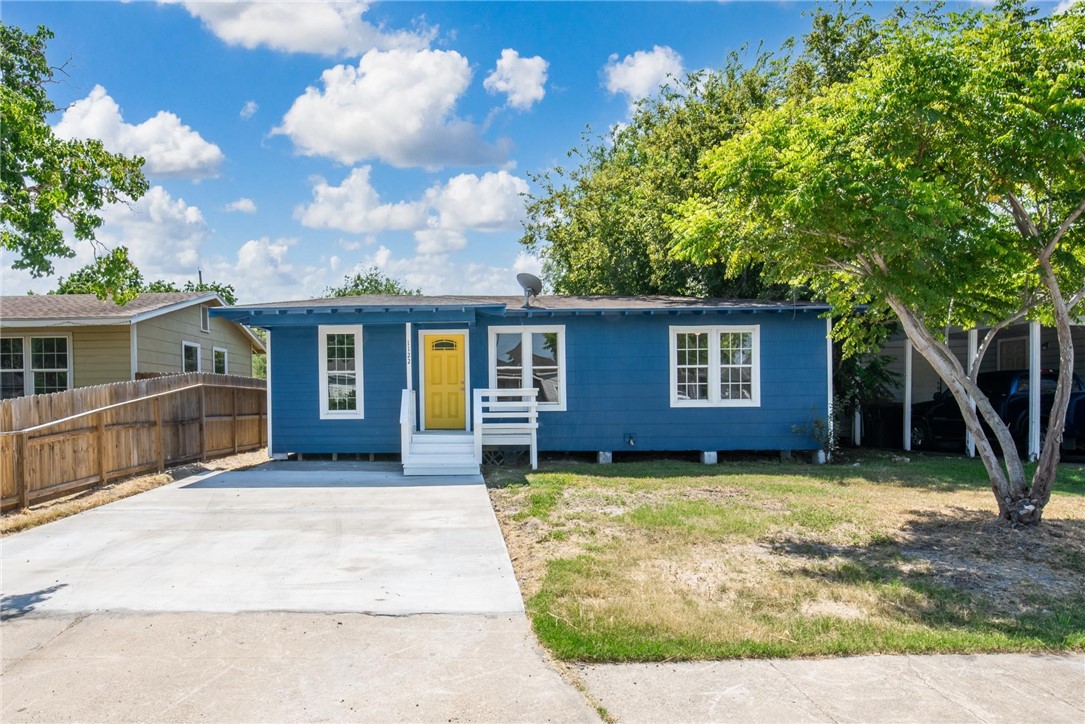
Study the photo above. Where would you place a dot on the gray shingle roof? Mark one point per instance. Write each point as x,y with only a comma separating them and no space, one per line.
87,306
542,302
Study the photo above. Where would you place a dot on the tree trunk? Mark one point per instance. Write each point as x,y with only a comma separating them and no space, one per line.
1047,468
1007,484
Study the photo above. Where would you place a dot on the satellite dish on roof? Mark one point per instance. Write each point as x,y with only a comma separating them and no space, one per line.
532,286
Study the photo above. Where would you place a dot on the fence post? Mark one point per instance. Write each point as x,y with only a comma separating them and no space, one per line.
22,470
234,428
203,423
159,446
103,469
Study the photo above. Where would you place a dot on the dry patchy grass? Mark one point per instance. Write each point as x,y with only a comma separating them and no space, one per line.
673,560
58,508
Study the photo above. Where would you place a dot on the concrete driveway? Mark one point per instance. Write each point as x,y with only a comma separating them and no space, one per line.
250,596
331,537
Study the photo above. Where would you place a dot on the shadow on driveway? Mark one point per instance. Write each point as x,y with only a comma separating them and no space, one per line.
328,474
20,604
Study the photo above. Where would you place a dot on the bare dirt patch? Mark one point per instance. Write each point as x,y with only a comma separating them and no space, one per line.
58,508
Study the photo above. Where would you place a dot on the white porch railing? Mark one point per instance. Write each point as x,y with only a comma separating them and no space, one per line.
406,424
507,417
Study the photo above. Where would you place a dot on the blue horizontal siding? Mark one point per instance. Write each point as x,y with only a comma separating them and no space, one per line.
618,378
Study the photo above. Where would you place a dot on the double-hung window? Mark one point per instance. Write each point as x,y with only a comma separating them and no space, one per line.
190,357
530,357
340,366
220,360
34,366
715,366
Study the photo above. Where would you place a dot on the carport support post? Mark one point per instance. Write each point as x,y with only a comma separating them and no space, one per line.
908,395
1033,391
973,345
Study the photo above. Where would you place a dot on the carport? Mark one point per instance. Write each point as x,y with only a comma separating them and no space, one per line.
1021,346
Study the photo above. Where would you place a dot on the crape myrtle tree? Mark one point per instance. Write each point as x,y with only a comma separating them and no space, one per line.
44,179
944,183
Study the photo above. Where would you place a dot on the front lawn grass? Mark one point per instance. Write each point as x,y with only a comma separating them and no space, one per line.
667,560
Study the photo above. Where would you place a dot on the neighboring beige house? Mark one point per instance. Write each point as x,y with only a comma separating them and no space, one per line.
50,343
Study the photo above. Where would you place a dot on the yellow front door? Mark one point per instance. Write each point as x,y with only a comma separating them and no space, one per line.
446,381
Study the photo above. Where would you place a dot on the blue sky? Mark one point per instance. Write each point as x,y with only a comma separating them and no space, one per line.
290,143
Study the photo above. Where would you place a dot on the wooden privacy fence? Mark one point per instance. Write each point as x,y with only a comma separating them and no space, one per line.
211,415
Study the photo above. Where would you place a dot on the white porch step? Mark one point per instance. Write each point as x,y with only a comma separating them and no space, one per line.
442,454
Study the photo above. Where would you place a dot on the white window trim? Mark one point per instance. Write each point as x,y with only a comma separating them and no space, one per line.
205,318
225,359
199,355
714,332
322,370
28,369
526,331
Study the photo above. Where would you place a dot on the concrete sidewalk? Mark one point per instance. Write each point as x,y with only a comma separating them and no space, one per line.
279,667
989,688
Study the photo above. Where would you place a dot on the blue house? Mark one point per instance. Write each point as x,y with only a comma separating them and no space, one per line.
438,379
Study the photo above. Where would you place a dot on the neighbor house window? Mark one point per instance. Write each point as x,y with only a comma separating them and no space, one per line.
220,361
340,367
530,357
34,366
190,357
715,366
205,318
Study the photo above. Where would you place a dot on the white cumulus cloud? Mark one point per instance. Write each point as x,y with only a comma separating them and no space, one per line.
325,27
639,75
440,273
491,202
523,80
164,235
467,202
396,106
1064,5
243,205
170,148
355,206
249,109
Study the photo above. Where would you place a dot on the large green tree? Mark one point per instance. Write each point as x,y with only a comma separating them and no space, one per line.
370,280
44,179
600,225
129,282
942,184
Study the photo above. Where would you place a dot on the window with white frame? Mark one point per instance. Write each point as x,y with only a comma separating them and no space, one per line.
190,357
34,366
220,361
205,318
340,365
530,357
715,366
